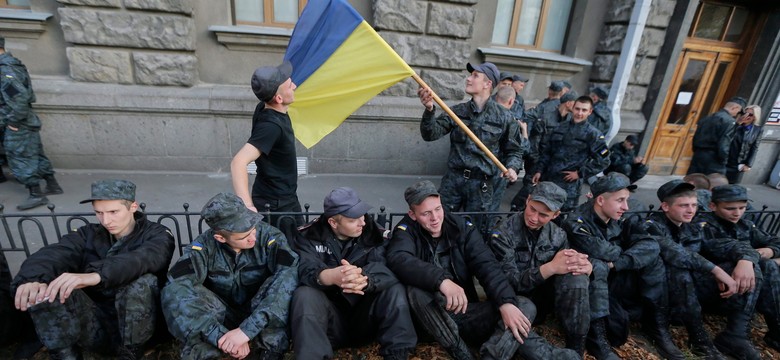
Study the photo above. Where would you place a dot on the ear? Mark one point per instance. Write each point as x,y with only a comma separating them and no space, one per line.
332,222
219,238
411,215
555,215
133,207
600,200
712,206
665,206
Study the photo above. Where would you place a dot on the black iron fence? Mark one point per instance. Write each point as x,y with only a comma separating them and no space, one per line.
25,233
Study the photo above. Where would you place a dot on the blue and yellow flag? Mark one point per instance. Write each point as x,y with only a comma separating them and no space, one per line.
339,63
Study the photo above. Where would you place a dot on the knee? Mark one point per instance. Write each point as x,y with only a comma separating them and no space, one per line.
526,306
574,282
394,296
308,300
418,298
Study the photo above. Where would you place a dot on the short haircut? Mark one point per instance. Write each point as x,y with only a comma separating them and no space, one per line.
669,199
504,94
717,179
584,100
699,180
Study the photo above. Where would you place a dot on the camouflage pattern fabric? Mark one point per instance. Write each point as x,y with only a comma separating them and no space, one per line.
622,161
601,117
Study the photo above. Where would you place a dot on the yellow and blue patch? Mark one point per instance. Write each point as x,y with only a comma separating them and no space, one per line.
273,240
197,246
401,227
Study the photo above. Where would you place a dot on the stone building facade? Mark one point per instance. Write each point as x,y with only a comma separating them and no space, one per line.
163,84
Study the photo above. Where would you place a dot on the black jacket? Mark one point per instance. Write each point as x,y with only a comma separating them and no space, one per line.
147,249
714,133
411,251
319,249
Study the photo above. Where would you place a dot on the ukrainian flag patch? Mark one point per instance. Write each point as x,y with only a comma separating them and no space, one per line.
271,242
401,227
197,246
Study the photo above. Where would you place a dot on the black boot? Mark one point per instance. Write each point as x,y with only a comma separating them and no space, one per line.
35,199
576,343
657,327
597,343
70,353
734,340
52,187
700,342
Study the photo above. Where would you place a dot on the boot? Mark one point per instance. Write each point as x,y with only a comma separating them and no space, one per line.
597,343
657,327
772,337
700,342
734,340
576,343
35,199
69,353
52,187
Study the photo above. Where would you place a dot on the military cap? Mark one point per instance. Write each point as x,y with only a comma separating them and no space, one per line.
111,189
727,193
344,201
417,193
739,101
549,194
600,92
518,77
611,182
506,75
489,69
266,80
226,211
556,86
566,84
632,139
673,187
569,96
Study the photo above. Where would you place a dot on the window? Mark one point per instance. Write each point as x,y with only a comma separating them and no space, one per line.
534,24
15,4
276,13
720,22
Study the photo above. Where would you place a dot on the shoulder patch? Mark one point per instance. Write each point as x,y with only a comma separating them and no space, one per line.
494,234
703,224
604,152
579,220
649,221
601,137
284,258
182,268
273,240
401,227
468,223
197,246
583,230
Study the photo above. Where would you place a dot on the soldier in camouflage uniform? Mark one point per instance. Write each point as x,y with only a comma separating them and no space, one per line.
22,139
601,117
759,252
98,288
469,184
623,159
230,292
712,140
624,265
535,255
572,152
348,296
693,280
437,254
517,83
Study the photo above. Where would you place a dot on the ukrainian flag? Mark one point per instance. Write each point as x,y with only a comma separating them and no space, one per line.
339,63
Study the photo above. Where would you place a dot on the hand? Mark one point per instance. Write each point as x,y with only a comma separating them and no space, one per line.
766,253
515,321
557,266
726,284
638,159
578,263
29,294
456,297
353,280
242,352
252,208
12,128
523,128
67,282
570,176
535,179
426,98
232,341
610,265
510,174
744,275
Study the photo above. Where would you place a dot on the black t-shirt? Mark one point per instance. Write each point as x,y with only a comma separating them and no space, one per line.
277,173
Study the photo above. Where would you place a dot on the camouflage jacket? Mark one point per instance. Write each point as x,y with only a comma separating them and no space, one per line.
619,155
16,95
536,125
601,117
522,251
319,249
720,236
270,266
91,248
625,247
411,253
573,147
715,133
494,125
680,245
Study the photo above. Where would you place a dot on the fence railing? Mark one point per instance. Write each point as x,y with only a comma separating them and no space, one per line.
26,233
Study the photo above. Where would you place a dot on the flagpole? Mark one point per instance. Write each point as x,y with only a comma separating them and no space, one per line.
461,124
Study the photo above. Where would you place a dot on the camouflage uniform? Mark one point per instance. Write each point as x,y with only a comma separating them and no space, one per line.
711,143
572,147
521,252
622,161
470,182
23,147
601,117
213,289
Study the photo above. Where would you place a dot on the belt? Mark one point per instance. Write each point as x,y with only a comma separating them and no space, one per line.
472,174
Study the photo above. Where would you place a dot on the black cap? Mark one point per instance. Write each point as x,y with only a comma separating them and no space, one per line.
601,92
518,77
673,187
728,193
739,101
111,189
549,194
489,69
344,201
556,86
226,211
417,193
569,96
506,75
610,183
266,80
632,139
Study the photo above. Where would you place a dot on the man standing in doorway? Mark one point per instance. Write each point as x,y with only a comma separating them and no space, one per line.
712,139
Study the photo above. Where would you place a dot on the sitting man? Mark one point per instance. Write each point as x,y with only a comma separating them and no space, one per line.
755,270
437,254
534,254
624,266
232,286
624,160
347,293
98,288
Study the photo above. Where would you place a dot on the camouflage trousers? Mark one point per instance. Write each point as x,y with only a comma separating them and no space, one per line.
481,324
628,288
475,194
769,296
199,324
100,326
567,297
25,155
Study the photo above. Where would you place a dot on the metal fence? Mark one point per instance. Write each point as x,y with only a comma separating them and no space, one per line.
25,233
